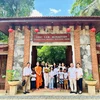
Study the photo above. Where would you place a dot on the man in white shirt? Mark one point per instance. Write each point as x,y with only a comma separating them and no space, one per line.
72,78
26,76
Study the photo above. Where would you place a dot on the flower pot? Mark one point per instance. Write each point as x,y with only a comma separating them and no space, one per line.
91,86
14,83
91,83
13,87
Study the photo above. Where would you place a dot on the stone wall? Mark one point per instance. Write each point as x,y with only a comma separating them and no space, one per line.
18,52
85,51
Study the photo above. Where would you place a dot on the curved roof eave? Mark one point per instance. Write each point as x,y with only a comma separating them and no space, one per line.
47,20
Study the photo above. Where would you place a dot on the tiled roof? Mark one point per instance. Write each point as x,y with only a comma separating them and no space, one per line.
50,17
48,20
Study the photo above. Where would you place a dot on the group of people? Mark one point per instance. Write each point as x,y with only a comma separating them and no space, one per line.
53,77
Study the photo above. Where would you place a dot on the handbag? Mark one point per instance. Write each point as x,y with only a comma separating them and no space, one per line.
23,82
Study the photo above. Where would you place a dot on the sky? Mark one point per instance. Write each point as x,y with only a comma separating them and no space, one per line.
52,7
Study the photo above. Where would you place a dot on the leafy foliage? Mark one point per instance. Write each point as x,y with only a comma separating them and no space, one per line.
11,75
92,9
16,8
3,37
88,76
79,6
98,37
86,8
51,54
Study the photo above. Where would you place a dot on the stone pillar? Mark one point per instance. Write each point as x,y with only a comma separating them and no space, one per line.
18,51
10,55
86,62
26,45
94,58
77,45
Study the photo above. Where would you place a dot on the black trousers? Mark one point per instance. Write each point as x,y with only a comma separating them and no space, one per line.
33,84
55,81
79,84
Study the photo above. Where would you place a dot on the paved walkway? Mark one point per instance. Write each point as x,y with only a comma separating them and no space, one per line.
49,95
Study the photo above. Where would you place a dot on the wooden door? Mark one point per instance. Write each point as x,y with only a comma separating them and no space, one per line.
3,62
69,55
34,56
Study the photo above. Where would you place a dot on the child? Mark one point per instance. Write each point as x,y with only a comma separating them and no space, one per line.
51,78
65,78
33,80
61,78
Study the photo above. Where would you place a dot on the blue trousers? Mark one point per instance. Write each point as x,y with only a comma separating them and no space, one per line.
51,83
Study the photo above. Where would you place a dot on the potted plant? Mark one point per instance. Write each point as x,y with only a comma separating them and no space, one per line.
11,76
91,82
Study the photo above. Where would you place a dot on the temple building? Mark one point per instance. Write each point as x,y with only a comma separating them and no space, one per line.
25,34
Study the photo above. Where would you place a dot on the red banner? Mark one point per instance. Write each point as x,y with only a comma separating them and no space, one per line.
51,37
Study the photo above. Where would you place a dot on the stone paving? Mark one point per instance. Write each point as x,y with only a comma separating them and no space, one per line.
49,95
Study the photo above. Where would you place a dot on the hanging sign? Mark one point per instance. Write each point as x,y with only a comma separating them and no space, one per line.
52,37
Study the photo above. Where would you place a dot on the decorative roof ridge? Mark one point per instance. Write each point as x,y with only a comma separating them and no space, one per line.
50,17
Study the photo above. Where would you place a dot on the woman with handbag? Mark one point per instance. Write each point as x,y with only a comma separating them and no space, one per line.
46,75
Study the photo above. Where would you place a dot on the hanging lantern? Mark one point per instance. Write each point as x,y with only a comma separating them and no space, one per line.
10,30
68,30
36,30
93,30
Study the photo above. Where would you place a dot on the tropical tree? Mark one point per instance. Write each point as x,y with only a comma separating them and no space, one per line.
52,54
86,8
79,5
93,9
16,8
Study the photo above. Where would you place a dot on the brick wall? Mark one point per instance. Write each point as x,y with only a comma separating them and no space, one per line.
10,55
94,58
26,45
77,45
